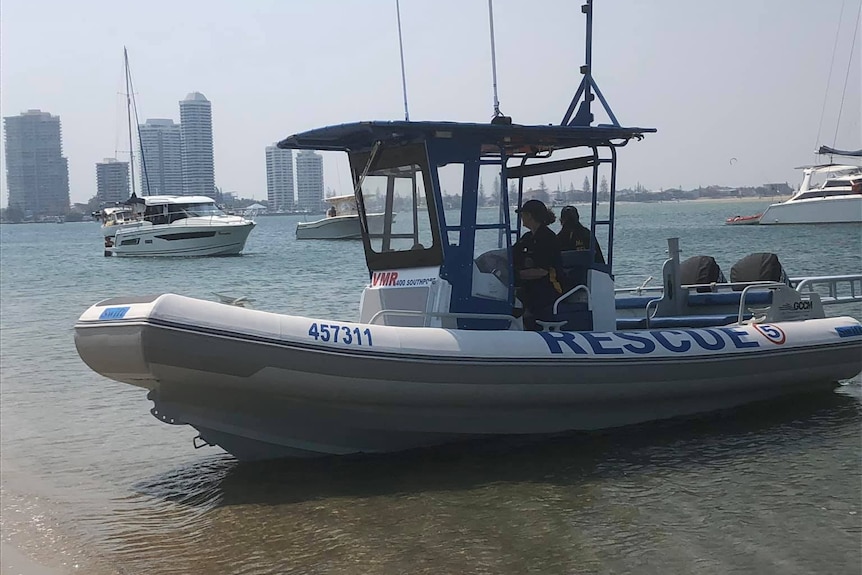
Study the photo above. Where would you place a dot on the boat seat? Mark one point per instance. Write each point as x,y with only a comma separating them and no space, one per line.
702,299
729,298
636,302
676,322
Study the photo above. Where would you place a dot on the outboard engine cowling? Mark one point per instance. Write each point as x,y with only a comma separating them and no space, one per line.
758,267
700,270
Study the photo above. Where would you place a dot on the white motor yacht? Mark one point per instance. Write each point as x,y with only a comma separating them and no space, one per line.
836,199
180,226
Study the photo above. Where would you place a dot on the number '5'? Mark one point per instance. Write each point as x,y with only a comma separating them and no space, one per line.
324,332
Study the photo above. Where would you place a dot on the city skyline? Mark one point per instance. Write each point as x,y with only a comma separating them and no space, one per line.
729,112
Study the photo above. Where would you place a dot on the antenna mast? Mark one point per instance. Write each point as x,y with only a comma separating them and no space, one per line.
497,112
401,49
584,116
129,114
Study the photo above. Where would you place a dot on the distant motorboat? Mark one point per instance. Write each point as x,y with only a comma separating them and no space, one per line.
743,220
340,223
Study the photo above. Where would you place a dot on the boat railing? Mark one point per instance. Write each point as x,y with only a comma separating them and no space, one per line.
447,315
574,290
832,289
770,285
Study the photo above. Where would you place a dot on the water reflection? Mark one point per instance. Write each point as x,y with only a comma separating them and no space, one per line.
735,435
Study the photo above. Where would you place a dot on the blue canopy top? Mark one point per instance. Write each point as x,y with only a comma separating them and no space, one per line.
513,137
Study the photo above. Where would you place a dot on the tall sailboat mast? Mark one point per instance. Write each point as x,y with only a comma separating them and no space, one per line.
129,114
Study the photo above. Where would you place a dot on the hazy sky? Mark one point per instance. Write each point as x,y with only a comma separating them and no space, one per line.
744,79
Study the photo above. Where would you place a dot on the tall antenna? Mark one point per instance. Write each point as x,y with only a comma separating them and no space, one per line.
129,114
401,49
497,112
584,116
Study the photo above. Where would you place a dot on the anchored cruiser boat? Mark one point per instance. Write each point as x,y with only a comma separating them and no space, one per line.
177,226
437,353
341,222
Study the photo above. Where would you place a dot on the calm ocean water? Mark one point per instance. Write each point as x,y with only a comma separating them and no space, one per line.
91,479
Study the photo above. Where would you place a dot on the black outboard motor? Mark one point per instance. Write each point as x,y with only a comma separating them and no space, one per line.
758,267
700,270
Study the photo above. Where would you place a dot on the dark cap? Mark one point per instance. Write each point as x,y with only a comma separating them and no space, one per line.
535,208
569,213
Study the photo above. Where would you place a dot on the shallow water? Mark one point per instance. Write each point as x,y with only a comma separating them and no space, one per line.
89,478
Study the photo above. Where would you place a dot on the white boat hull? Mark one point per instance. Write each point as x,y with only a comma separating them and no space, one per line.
833,210
264,385
338,228
187,237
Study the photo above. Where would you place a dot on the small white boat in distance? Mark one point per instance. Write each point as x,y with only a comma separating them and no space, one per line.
180,226
340,223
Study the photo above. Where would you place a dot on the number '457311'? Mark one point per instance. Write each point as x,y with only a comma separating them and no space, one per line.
340,334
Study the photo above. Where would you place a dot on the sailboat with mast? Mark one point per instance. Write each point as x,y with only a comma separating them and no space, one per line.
166,225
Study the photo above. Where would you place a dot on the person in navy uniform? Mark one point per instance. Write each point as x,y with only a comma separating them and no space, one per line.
574,235
536,257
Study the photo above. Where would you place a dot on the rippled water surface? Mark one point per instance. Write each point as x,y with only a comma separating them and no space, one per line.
90,479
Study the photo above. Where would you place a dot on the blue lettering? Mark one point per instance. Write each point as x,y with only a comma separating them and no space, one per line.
648,345
681,348
553,339
596,340
736,336
698,338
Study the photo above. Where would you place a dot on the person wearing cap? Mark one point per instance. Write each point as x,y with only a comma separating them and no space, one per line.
574,236
536,256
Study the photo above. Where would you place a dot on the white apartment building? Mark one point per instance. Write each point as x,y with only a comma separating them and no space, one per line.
197,146
280,188
309,181
112,181
160,158
37,174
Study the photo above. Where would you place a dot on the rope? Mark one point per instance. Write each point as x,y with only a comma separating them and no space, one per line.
847,75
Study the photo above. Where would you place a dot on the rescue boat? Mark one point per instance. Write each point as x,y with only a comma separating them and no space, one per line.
439,353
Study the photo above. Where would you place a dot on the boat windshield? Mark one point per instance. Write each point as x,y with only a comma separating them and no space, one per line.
396,183
201,210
